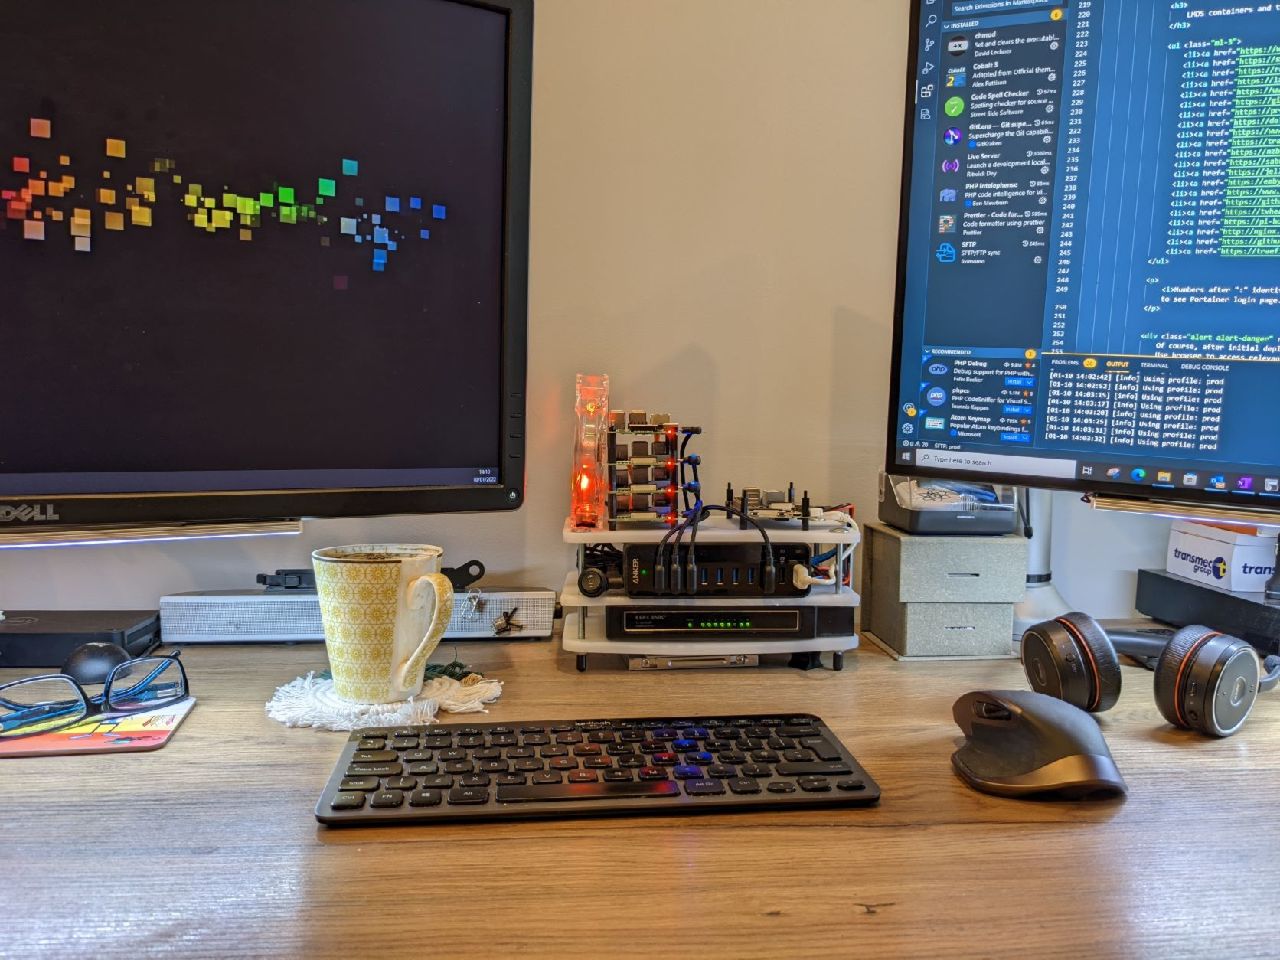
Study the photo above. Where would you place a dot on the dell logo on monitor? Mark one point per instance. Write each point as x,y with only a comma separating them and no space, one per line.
29,513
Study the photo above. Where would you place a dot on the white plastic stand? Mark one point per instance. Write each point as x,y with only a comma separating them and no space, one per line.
1043,601
585,634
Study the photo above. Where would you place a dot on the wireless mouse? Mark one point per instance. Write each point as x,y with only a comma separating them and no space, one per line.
1023,744
91,663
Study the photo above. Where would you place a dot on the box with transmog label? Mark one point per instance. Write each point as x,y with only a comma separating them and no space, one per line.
1234,557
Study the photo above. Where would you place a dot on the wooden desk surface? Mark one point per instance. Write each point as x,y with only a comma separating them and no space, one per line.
209,848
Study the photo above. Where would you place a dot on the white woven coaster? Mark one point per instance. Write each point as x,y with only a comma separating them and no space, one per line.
310,702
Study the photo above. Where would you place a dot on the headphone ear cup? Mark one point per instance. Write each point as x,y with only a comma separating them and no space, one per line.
1207,681
1168,668
1103,660
1071,658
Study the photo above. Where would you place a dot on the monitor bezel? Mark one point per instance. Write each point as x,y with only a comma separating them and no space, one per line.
266,504
1174,498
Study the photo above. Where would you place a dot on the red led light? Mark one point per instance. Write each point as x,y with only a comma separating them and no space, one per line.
671,465
671,493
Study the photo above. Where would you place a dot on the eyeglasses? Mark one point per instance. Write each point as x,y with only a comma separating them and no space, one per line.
55,701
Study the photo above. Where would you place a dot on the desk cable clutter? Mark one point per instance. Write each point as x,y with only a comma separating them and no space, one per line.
310,701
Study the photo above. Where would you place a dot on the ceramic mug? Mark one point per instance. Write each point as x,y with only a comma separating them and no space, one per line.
385,607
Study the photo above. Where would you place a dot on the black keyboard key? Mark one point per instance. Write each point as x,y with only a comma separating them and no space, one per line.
703,788
568,738
526,766
563,763
685,772
588,750
548,752
533,728
417,756
721,770
550,776
851,786
683,745
601,736
535,740
503,740
399,783
454,754
700,756
743,785
470,740
362,784
583,776
519,753
755,770
814,784
474,780
597,763
403,743
813,768
797,756
486,753
371,743
347,800
493,766
509,779
764,756
821,748
632,761
425,798
618,776
374,756
387,798
665,759
653,773
781,786
439,782
731,756
459,766
425,768
634,789
374,770
791,730
473,795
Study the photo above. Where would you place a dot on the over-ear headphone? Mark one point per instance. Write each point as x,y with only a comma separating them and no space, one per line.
1205,680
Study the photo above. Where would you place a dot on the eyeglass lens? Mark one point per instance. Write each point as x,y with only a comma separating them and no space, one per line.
30,706
147,682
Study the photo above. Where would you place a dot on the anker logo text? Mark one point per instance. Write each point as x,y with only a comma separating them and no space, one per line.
29,513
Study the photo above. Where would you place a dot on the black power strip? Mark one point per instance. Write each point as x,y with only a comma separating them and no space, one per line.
722,570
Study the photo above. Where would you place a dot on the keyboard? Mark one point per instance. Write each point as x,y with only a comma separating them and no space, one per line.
446,773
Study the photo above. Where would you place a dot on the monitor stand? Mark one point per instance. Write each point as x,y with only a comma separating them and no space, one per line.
1042,601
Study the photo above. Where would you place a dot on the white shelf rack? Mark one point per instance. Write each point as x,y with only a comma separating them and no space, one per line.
585,634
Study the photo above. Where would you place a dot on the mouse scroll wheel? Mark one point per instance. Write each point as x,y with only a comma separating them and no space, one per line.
991,711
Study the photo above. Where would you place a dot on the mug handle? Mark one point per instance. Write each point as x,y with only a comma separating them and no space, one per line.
439,589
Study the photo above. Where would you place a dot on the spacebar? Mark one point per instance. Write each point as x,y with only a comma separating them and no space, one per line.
588,791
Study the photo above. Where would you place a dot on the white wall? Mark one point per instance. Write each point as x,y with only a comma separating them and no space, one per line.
715,195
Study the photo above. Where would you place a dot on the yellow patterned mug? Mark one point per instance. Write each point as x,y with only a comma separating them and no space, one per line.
385,607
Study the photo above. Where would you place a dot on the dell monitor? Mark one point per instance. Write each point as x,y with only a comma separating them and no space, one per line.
1089,271
262,260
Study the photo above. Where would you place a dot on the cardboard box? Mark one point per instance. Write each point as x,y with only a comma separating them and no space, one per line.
1231,557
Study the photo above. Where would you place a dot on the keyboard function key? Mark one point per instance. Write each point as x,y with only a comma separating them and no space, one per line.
347,800
425,798
743,785
387,798
469,795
